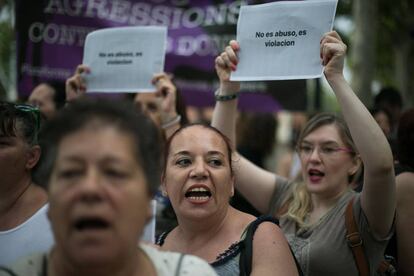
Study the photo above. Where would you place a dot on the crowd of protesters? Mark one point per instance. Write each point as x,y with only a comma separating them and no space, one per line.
78,176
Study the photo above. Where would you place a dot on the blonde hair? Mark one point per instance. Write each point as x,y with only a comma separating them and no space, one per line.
299,203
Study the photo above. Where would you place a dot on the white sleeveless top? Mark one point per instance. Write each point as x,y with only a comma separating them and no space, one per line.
31,236
165,264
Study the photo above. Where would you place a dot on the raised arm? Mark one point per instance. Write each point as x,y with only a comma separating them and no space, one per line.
76,85
378,194
256,184
167,93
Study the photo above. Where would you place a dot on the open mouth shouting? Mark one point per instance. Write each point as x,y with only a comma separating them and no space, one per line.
198,194
95,224
315,175
90,223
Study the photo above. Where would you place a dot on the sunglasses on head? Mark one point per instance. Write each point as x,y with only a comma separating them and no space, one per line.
26,109
30,109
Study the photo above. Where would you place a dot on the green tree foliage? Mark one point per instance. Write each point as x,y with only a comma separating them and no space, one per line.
394,47
395,51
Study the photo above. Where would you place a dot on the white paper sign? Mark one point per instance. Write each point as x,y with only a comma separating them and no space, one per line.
280,40
124,59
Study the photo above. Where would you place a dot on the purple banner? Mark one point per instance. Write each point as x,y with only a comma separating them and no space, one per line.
51,34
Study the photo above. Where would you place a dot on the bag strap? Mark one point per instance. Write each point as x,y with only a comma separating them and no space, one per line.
355,241
246,253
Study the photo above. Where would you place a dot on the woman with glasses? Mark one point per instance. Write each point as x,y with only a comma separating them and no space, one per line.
24,227
312,213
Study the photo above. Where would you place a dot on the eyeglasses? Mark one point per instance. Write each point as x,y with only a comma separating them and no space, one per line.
325,151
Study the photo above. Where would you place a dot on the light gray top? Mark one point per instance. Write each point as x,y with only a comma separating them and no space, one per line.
165,264
322,248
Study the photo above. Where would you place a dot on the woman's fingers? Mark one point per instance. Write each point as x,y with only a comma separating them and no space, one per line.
231,55
82,69
227,61
161,76
163,83
234,45
220,62
76,85
330,49
331,45
334,34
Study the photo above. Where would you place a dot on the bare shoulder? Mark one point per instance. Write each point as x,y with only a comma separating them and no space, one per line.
265,229
269,231
271,253
405,183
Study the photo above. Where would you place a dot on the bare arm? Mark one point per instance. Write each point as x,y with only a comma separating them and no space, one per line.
284,165
271,253
378,194
167,93
405,223
75,85
254,183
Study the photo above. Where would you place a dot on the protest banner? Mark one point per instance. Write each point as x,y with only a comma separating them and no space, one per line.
281,40
124,59
51,35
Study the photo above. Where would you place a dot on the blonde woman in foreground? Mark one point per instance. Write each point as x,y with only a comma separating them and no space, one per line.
312,213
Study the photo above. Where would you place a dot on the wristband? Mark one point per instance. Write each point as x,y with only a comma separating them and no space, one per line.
174,121
223,98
